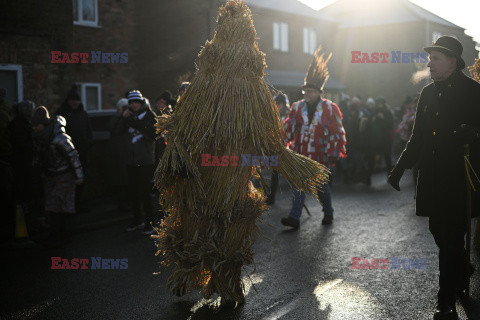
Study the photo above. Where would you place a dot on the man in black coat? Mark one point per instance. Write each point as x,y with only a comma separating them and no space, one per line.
79,129
138,124
447,117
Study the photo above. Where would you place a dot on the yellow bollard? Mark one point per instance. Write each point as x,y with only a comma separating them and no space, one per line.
20,226
21,234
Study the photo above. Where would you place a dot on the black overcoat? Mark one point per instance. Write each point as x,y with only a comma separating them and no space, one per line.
442,107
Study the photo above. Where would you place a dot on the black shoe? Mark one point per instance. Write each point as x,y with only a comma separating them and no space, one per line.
291,222
445,312
327,220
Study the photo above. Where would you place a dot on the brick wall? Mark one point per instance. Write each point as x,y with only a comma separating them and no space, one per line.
28,31
117,21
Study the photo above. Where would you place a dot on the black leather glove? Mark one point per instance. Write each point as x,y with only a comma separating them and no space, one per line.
394,177
466,134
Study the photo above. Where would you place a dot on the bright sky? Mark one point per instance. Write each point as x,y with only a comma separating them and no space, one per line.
463,13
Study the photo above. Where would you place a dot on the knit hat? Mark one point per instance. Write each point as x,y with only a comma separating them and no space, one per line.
122,103
73,94
41,116
355,103
26,108
135,95
380,100
183,86
165,96
280,98
370,101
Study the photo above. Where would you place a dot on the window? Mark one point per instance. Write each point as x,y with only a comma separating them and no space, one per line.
91,95
11,79
85,12
309,40
280,36
435,36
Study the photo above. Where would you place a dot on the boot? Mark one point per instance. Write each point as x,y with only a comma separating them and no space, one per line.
291,222
445,312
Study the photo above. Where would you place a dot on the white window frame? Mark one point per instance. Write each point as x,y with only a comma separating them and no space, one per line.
280,36
83,95
87,23
310,40
18,69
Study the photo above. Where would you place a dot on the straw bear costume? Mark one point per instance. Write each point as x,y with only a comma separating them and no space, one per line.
214,210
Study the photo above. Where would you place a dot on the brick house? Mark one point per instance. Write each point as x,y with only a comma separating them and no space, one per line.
386,26
288,33
31,30
163,38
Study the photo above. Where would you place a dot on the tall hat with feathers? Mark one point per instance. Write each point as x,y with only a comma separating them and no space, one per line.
317,73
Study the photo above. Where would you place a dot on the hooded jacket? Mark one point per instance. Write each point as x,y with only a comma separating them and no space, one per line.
58,155
78,126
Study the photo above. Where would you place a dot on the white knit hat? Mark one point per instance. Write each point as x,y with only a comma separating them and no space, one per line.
122,103
135,95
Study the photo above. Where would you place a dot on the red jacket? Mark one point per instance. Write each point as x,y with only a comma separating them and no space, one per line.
323,140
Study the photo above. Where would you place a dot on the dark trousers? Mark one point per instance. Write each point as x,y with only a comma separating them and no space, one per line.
385,153
58,226
80,201
273,185
449,236
140,187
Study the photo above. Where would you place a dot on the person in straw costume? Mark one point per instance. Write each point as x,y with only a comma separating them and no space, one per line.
475,71
213,210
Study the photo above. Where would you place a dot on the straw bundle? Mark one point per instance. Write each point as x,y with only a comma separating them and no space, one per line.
227,110
475,70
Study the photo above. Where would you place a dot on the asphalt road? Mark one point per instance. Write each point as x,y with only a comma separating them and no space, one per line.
300,274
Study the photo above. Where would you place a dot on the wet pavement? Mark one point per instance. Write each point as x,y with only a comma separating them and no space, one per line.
300,274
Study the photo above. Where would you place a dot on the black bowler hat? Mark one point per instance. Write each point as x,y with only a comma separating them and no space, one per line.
450,46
